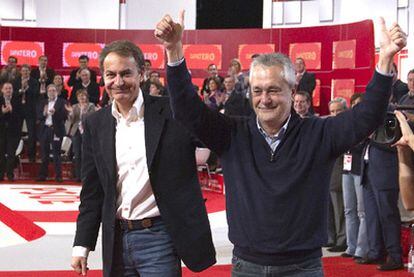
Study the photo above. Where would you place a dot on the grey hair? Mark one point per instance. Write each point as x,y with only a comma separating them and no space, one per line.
276,59
340,100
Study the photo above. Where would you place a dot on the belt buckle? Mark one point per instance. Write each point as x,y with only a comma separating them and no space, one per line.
146,223
130,226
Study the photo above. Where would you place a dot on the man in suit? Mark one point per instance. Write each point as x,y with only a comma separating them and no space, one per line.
86,83
305,81
276,165
75,73
139,180
43,74
301,103
399,88
10,129
51,116
235,104
28,89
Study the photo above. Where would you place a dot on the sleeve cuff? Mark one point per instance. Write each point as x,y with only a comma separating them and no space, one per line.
177,63
383,73
80,251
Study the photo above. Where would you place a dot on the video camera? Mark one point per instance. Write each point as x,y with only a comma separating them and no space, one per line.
390,131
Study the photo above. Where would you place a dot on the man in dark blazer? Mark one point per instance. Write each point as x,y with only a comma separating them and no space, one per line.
305,81
380,190
28,89
43,74
51,116
151,161
10,129
86,83
235,103
75,73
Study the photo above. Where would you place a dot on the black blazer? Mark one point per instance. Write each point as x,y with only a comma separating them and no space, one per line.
72,79
50,73
32,96
307,83
172,171
58,118
11,123
93,93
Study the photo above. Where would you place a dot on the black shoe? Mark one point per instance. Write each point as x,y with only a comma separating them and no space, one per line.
59,179
41,179
331,244
390,265
337,249
356,257
346,255
369,261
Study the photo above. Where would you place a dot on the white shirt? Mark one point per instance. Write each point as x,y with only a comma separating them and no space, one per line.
50,105
135,196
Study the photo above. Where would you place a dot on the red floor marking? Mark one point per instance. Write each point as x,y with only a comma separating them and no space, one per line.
50,216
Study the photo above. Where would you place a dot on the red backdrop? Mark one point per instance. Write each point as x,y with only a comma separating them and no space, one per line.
361,32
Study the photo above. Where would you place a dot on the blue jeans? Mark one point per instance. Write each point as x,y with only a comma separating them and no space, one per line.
309,268
150,252
356,229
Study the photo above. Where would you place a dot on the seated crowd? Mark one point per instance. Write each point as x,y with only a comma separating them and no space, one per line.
364,220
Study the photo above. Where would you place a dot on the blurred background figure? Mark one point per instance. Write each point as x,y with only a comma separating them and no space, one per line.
302,104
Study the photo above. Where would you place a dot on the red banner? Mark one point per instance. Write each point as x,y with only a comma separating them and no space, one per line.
316,97
72,51
198,82
154,53
309,52
199,56
344,54
26,52
247,50
343,88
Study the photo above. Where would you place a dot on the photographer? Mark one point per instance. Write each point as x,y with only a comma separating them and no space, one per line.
405,148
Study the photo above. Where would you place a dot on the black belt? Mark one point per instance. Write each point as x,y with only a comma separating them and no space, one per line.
127,224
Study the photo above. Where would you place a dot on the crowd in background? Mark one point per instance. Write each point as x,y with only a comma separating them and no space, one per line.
364,221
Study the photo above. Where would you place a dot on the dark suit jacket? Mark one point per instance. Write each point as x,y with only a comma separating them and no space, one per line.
93,93
72,79
307,83
11,123
58,118
50,73
399,89
32,96
237,105
173,176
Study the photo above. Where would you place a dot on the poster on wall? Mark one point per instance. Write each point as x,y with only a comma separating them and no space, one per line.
247,50
154,53
343,88
72,51
316,97
310,52
344,54
26,52
199,56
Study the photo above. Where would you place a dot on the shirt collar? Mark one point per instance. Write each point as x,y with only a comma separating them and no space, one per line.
279,134
134,113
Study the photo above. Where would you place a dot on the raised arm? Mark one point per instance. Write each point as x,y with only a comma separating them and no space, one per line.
211,127
351,127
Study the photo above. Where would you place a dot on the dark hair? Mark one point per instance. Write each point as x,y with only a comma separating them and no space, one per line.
147,61
26,66
215,80
12,57
43,56
154,71
124,48
305,94
355,97
157,84
83,57
410,72
211,65
82,91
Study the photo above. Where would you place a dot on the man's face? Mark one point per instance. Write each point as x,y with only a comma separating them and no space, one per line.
410,82
299,66
7,90
83,63
229,84
212,70
57,80
122,78
52,92
335,108
301,104
154,77
147,66
43,62
12,62
25,72
271,95
85,76
154,91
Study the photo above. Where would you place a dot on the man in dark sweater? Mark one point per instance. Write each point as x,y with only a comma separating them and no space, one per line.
276,165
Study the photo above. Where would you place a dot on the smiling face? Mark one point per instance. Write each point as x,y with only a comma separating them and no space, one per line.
122,78
301,104
271,95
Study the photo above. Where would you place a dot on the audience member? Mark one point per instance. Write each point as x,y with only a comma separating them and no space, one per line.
52,116
62,92
76,115
75,77
147,70
305,81
302,103
235,70
408,98
10,129
43,74
234,104
28,90
214,96
212,73
10,72
399,88
356,228
156,89
86,83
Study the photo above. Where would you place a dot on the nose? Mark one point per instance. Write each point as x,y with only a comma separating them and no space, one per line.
265,98
119,81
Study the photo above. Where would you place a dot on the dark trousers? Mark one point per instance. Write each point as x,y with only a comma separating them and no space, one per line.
8,146
383,221
31,140
77,151
47,139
